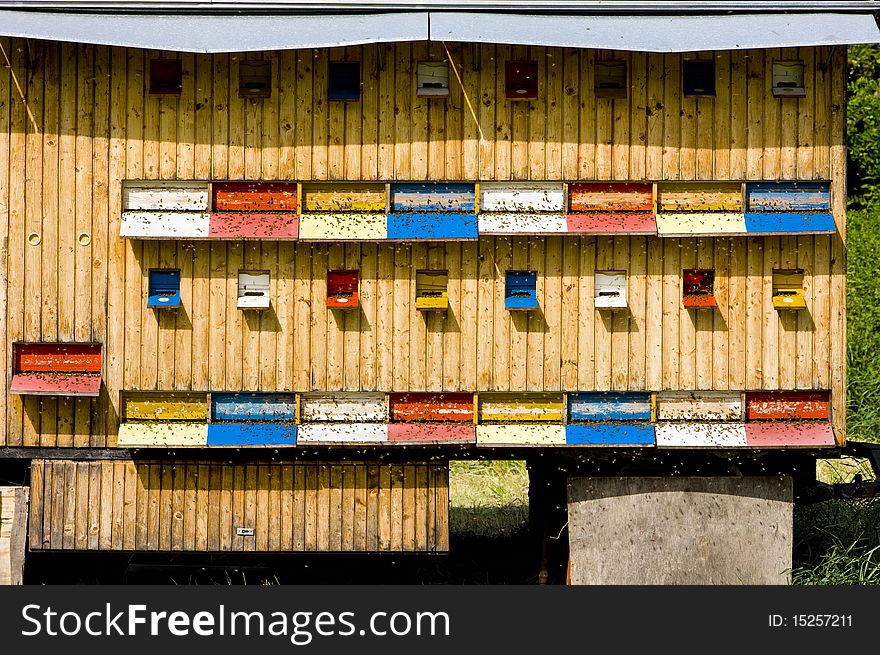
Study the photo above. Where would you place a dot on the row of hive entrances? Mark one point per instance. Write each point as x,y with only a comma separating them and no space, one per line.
520,290
663,419
412,211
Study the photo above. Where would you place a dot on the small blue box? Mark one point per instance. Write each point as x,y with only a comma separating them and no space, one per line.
521,290
789,223
164,290
609,406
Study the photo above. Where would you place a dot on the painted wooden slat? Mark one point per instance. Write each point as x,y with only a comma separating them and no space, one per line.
676,197
342,433
56,384
521,290
789,223
336,197
699,406
520,435
248,225
166,196
431,197
788,197
777,435
610,197
610,434
255,196
353,407
251,434
432,407
700,223
164,225
700,435
56,358
162,434
253,407
521,407
790,405
343,227
147,406
420,226
609,406
401,433
522,197
600,223
499,223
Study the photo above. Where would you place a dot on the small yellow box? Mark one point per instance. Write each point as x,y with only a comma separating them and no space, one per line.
432,290
164,406
788,290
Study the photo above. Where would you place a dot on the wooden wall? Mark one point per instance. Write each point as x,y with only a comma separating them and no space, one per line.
197,506
88,124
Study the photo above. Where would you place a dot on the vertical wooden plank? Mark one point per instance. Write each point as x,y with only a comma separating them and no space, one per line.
262,508
604,321
704,322
788,321
310,514
250,494
671,303
804,328
273,507
570,112
33,188
621,320
318,376
588,317
352,325
407,512
118,504
510,347
653,334
269,334
503,116
142,506
176,517
420,513
56,536
81,537
205,511
638,320
754,112
284,479
434,324
485,312
369,326
838,243
5,139
822,107
68,539
302,298
403,118
191,483
587,140
436,134
488,74
754,312
401,316
739,114
165,505
336,322
417,330
721,334
821,378
721,147
239,520
673,107
789,121
49,245
300,495
805,110
553,314
322,516
770,325
451,364
96,506
336,509
131,518
772,128
36,526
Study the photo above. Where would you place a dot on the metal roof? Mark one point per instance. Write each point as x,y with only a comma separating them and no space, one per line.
521,6
216,33
658,33
250,30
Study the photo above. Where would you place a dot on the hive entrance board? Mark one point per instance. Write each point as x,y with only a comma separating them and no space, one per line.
698,288
788,290
610,79
610,290
164,290
788,78
342,290
56,369
432,290
521,80
254,79
253,290
432,78
521,291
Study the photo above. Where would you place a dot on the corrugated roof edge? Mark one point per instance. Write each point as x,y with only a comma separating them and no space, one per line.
572,7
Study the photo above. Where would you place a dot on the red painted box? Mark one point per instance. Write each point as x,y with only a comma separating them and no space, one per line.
610,197
56,358
698,288
521,80
254,226
255,196
342,289
787,405
432,407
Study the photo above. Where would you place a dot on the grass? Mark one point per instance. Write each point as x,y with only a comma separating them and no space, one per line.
488,498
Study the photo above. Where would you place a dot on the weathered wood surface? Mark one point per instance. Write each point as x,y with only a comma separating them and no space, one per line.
71,279
680,530
699,406
322,506
13,533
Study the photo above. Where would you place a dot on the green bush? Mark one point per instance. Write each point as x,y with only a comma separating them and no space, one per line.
863,122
